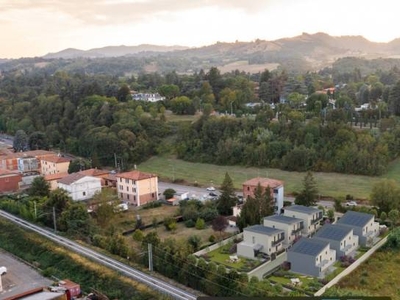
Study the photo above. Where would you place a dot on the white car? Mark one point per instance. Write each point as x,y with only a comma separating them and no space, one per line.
211,189
351,203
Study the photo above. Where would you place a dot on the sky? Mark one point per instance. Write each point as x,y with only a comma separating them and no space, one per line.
36,27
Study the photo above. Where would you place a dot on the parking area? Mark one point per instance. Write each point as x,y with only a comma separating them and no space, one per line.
19,278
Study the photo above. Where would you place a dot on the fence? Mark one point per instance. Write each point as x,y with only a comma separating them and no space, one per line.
352,267
219,244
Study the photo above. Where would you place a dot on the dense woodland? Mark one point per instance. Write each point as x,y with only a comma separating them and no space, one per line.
294,127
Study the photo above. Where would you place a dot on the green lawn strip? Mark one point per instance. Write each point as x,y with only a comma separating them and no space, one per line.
329,184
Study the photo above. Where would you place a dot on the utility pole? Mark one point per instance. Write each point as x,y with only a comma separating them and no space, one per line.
115,160
150,257
54,219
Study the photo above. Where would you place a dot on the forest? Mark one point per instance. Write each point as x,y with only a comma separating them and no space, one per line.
278,119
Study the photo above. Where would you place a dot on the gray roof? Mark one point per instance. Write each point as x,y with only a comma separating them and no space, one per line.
263,230
333,232
355,218
283,219
309,246
302,209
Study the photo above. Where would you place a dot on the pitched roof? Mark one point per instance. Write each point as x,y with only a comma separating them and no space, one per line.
355,218
56,176
135,175
4,172
309,246
264,182
71,178
333,232
283,219
302,209
94,172
34,153
263,229
56,159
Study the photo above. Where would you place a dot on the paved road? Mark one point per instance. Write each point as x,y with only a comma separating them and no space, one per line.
201,193
152,282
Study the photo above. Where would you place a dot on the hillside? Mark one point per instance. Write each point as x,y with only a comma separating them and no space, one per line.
306,52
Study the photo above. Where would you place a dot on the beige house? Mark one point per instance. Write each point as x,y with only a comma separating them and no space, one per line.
291,226
260,239
54,164
137,188
52,179
312,217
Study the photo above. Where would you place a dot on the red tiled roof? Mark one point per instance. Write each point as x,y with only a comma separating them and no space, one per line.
94,172
135,175
56,176
34,153
71,178
264,182
8,172
56,159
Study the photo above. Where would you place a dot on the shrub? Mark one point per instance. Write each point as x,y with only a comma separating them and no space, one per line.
211,239
200,224
138,235
233,249
153,204
190,223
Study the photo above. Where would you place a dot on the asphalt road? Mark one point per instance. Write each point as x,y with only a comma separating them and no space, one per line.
20,277
201,193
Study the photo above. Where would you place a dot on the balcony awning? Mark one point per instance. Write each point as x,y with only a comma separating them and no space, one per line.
257,247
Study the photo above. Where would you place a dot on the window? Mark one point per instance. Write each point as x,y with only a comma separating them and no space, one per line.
120,179
134,190
253,239
126,180
127,188
248,188
127,197
134,198
84,193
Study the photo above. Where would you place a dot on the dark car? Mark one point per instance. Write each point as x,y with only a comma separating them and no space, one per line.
212,194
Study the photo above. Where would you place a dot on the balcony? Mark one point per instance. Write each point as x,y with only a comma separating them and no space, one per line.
298,229
313,221
274,243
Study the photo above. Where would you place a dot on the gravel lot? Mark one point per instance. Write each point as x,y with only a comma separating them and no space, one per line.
20,277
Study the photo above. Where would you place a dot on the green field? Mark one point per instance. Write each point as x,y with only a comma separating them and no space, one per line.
329,184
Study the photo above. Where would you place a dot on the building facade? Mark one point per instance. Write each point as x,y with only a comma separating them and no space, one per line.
311,257
312,217
291,226
276,187
54,164
260,239
341,239
363,225
137,188
80,187
9,181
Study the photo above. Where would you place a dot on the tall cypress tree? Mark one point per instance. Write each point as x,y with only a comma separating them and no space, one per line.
308,196
228,197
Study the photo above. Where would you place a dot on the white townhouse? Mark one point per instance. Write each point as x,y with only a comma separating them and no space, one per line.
312,217
291,226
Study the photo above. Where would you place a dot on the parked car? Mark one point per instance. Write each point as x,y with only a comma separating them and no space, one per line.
211,189
351,203
3,270
212,194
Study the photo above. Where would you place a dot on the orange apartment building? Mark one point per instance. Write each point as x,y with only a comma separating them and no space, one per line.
54,164
137,188
276,186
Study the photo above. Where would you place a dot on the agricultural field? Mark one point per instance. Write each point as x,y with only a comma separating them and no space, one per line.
329,184
378,275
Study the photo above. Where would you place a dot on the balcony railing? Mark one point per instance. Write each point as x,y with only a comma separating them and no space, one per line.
315,220
274,243
294,231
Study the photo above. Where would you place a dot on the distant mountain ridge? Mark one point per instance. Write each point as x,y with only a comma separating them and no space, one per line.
112,51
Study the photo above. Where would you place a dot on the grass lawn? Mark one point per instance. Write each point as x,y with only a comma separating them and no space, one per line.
329,184
379,275
223,258
305,280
